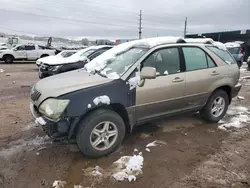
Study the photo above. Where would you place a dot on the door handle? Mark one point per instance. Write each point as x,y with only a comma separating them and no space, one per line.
177,79
214,73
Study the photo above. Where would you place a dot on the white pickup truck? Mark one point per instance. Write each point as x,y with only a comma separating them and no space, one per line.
25,52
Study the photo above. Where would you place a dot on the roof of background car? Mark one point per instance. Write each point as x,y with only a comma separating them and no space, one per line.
232,45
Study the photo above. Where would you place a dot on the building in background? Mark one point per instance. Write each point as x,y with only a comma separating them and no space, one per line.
119,41
228,36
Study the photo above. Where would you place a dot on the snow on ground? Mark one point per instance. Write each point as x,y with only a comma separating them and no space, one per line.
102,99
1,70
130,167
18,145
59,184
147,149
125,168
240,118
40,121
240,98
78,186
155,143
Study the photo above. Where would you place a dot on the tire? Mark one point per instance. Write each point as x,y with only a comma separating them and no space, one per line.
8,58
84,134
44,55
206,112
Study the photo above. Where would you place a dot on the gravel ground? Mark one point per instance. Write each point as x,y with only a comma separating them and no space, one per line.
191,153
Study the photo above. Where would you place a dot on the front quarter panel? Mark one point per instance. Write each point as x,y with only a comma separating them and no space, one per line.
81,100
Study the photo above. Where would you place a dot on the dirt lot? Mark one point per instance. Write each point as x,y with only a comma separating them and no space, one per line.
191,153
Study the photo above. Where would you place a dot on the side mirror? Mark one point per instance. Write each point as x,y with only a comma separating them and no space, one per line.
148,73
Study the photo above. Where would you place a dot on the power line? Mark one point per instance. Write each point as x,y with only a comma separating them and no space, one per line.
66,19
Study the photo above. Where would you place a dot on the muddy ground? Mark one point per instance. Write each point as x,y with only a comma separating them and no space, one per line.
192,154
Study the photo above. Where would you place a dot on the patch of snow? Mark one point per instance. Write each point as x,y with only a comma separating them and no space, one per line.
40,121
236,110
1,70
140,153
59,184
232,45
102,99
147,149
198,40
135,150
221,121
152,144
131,166
113,76
166,72
240,97
89,105
134,81
96,172
220,45
236,122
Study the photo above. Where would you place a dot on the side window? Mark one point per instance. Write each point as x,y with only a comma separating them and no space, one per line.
210,62
30,47
20,48
195,58
165,61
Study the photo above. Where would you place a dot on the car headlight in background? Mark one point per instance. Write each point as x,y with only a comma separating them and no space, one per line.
55,68
53,108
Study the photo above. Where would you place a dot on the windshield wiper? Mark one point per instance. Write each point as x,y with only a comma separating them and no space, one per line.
100,74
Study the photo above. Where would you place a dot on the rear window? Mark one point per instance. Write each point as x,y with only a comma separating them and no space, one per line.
234,50
224,55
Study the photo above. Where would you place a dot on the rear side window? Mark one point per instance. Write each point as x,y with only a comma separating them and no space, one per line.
210,62
30,47
224,55
234,50
195,58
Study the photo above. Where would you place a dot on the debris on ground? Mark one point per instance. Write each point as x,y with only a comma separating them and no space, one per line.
42,148
1,70
14,122
155,143
59,184
240,98
44,182
13,82
96,172
7,74
135,150
78,186
37,153
147,149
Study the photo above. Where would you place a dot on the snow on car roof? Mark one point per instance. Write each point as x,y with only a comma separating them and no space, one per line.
232,45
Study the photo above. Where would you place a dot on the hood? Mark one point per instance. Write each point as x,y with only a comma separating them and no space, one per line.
58,60
60,84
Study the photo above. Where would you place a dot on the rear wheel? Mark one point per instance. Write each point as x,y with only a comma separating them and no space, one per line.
216,106
100,133
8,58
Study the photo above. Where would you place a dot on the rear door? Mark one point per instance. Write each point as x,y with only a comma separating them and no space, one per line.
32,53
202,74
162,95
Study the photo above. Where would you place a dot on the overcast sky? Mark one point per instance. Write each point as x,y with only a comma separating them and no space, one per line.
115,19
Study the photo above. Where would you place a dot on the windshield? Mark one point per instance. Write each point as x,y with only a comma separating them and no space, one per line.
224,55
66,53
114,67
88,52
234,50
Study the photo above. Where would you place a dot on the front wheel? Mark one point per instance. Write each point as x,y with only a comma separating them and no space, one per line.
100,133
8,59
216,107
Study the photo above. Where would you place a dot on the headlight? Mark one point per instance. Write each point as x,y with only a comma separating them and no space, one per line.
55,68
53,108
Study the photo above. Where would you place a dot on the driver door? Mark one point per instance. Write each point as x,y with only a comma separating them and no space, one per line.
20,52
162,95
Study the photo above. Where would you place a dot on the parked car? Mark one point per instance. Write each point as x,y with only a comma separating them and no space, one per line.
25,52
3,46
133,83
76,61
248,61
237,52
62,54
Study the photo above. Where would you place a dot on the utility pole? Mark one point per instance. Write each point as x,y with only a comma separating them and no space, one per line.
185,28
140,23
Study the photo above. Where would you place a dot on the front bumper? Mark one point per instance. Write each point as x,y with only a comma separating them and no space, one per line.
52,128
236,90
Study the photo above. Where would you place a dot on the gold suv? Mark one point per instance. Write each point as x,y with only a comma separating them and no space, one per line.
134,83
